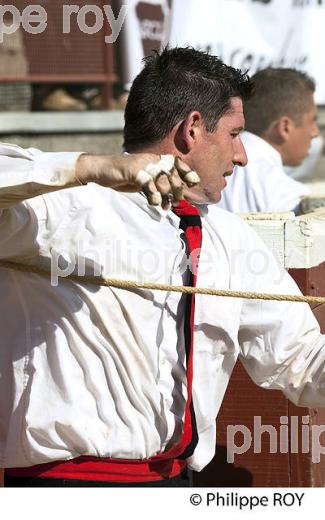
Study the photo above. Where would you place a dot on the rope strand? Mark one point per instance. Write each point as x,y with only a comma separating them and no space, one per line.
129,284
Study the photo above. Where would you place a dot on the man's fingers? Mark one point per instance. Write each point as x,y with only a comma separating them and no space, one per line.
168,163
190,177
142,178
163,182
165,165
167,200
150,191
177,186
171,188
166,188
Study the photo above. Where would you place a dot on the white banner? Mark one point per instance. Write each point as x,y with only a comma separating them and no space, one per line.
146,27
248,34
254,34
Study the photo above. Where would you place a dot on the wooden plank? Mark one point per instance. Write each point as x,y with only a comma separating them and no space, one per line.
244,405
60,78
297,242
67,122
305,240
271,228
303,469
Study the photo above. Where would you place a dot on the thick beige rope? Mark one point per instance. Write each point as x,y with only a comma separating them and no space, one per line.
128,284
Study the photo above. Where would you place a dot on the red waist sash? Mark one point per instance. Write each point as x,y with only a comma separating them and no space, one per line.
104,469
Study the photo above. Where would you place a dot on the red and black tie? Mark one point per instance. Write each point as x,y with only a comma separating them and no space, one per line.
190,223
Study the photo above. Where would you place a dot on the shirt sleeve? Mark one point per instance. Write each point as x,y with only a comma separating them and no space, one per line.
28,173
281,344
25,174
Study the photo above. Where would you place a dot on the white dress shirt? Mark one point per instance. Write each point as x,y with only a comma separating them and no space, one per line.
88,370
262,185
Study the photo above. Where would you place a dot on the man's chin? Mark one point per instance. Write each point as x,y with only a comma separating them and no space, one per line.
296,161
212,197
204,199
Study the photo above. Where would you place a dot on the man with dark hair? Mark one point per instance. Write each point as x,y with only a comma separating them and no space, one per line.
177,102
134,378
171,86
281,121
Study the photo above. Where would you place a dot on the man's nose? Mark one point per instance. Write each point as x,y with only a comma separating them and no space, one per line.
315,130
240,157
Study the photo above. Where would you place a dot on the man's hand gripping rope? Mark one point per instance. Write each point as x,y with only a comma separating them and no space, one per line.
163,182
161,178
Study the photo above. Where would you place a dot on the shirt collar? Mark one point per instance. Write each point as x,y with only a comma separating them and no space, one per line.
254,141
157,212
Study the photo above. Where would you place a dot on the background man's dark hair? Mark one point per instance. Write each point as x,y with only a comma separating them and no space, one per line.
174,83
277,92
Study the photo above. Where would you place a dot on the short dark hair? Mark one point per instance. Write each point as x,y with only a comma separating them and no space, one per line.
277,92
173,83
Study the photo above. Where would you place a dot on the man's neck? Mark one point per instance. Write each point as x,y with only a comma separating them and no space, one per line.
277,145
164,147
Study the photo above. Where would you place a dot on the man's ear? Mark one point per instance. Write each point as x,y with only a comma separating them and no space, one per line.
189,132
281,129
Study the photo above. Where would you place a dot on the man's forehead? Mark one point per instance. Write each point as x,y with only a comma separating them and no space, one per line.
311,112
236,103
235,116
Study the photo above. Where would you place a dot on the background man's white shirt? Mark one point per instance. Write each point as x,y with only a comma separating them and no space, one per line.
262,185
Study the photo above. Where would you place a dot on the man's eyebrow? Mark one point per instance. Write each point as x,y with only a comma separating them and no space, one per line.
238,129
